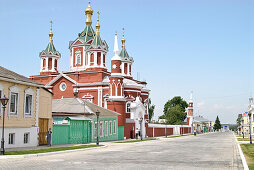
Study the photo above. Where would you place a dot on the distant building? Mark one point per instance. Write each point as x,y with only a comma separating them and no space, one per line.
200,124
28,115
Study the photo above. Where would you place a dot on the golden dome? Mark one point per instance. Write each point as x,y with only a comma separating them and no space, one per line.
89,13
89,10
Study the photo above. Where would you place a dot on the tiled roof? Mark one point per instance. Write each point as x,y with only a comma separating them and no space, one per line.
76,105
12,76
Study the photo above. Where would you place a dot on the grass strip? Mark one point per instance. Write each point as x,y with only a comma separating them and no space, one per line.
176,136
138,140
244,139
25,152
248,151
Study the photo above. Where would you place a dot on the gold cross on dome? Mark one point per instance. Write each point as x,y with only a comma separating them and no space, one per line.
51,25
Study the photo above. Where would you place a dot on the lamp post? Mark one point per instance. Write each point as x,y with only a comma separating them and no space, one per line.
249,114
140,121
97,114
4,102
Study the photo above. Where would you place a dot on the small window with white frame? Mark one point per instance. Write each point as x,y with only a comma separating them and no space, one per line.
14,103
26,138
11,138
14,100
110,128
114,127
101,129
106,128
128,107
95,129
28,104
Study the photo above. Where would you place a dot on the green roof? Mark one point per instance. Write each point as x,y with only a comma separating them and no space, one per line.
50,49
96,42
124,53
87,34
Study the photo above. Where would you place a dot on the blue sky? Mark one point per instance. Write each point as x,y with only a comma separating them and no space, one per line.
177,45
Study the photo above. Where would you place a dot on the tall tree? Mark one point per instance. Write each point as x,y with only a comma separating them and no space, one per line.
239,119
150,109
177,100
217,125
174,110
175,115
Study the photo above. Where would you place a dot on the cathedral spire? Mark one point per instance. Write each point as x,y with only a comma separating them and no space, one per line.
123,40
89,13
50,33
98,25
116,50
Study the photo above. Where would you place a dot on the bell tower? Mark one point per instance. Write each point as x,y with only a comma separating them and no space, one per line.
49,56
190,111
116,78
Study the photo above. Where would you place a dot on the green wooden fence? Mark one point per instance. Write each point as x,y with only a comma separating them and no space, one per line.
76,132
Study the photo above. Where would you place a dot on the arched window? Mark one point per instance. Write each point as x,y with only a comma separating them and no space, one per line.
128,107
78,58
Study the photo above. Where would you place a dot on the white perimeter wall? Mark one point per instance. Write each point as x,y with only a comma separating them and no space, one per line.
19,137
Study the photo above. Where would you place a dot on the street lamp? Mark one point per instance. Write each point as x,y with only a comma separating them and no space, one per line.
140,121
4,102
249,114
97,114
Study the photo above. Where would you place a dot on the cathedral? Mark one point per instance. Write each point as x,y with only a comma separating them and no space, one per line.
88,77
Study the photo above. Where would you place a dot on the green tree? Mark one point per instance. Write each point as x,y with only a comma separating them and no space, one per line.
175,115
217,125
150,109
238,120
174,110
177,100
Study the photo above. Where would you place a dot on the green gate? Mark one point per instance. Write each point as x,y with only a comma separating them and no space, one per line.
60,134
75,132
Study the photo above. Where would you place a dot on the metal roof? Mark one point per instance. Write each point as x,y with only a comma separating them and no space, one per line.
9,75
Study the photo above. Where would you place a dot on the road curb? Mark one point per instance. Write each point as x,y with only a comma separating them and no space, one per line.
245,165
47,153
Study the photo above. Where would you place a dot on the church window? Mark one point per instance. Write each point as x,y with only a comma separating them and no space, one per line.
128,107
50,63
63,86
98,58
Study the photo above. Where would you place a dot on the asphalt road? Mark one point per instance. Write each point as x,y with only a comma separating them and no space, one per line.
209,151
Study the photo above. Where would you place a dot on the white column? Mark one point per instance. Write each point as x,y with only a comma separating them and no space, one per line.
37,107
47,64
95,59
122,68
53,64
